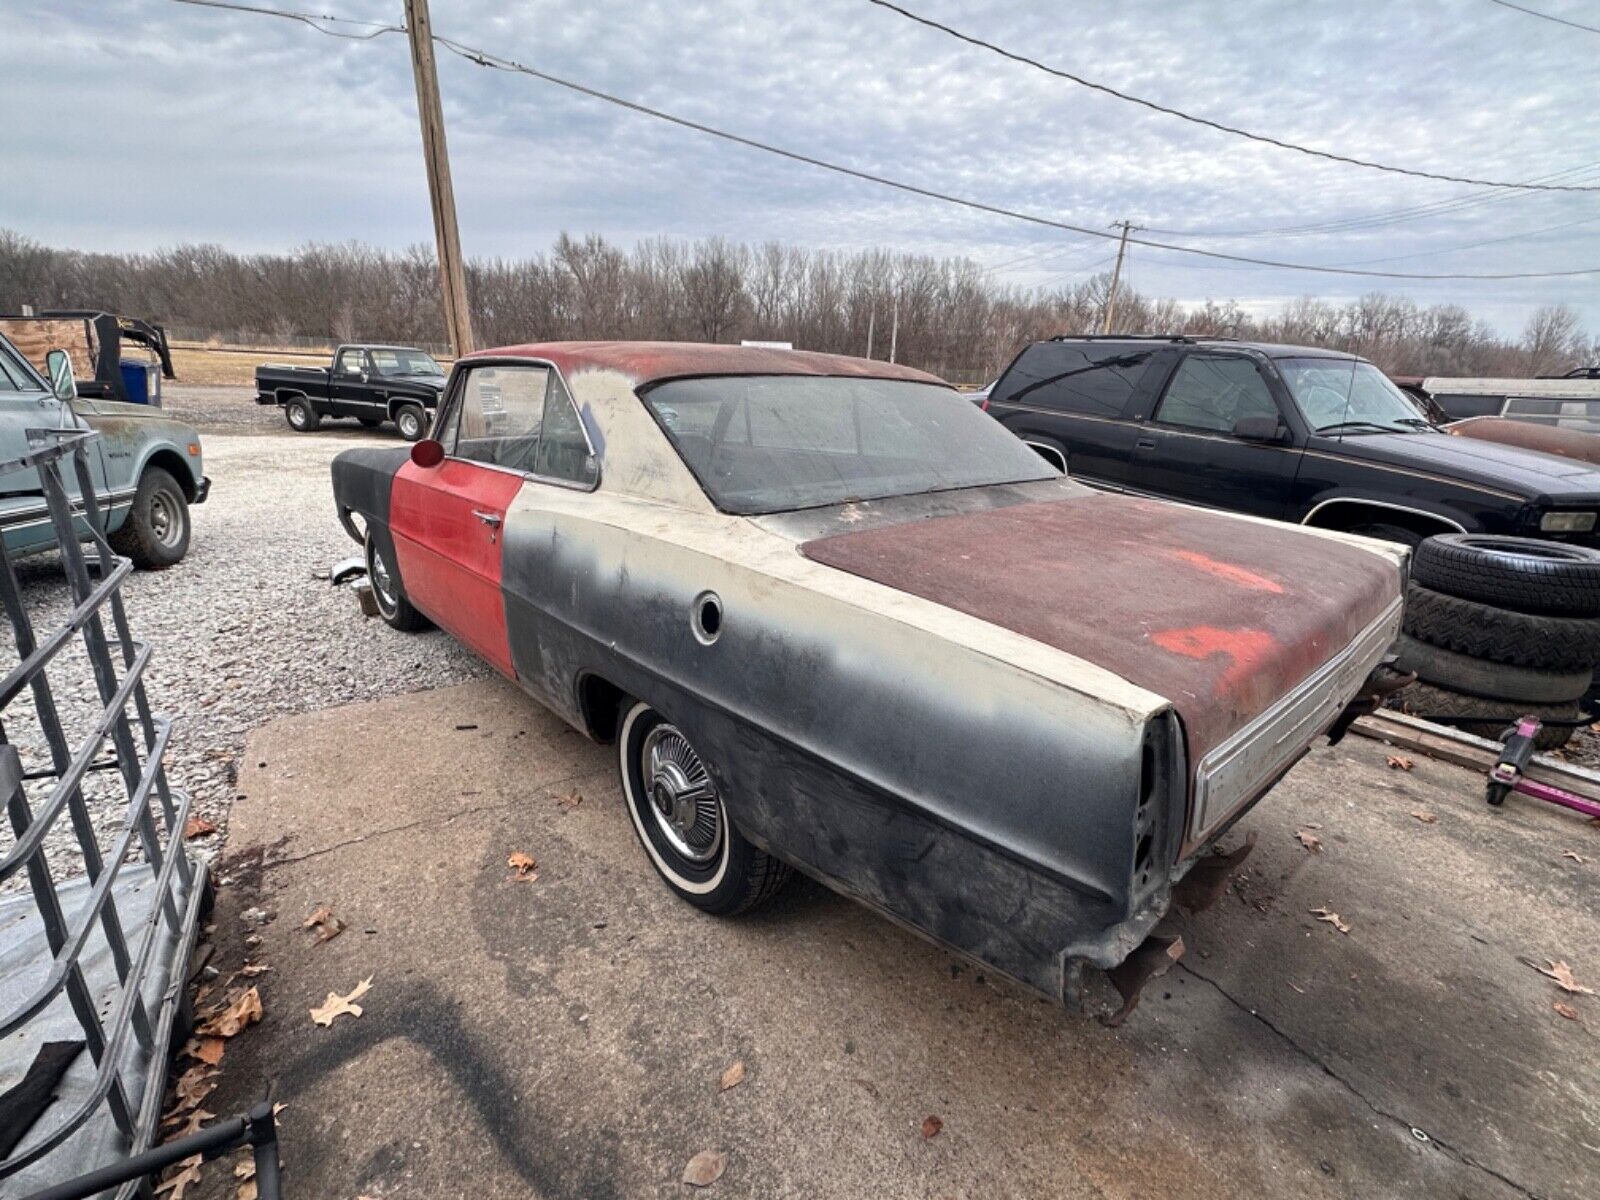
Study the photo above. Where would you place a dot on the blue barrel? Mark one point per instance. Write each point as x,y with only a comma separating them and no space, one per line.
142,381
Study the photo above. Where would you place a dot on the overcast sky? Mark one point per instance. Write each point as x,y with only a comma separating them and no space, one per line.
134,124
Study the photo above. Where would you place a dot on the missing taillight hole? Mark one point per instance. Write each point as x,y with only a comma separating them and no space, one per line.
1141,853
706,617
1147,772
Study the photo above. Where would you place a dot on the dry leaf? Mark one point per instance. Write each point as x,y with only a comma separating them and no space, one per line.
570,801
193,1086
1427,818
1310,841
1398,762
246,1172
336,1005
192,1123
705,1168
250,970
523,865
247,1191
1332,918
732,1077
1566,1010
1574,856
187,1172
1562,974
209,1050
197,827
244,1011
327,925
931,1127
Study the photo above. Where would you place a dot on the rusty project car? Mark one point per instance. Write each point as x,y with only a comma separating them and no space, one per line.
835,619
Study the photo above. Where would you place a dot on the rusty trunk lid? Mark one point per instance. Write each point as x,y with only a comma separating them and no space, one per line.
1221,616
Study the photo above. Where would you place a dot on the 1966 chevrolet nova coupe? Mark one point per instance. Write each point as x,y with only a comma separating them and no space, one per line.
836,619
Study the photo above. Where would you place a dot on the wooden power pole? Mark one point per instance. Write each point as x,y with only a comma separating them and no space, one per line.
1116,277
452,273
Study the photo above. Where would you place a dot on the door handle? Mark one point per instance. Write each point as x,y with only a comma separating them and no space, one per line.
492,520
1145,444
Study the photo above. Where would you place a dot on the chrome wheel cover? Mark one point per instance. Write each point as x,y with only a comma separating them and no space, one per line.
166,522
679,794
410,426
382,581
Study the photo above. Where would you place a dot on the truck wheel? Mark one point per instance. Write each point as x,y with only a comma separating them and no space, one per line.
301,416
156,532
411,421
393,606
683,823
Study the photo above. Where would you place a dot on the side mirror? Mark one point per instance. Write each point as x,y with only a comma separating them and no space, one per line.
427,453
1258,429
61,381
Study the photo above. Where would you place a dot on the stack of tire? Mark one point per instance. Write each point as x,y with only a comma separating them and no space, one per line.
1501,627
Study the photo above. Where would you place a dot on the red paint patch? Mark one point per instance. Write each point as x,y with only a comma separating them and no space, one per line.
1247,650
1230,572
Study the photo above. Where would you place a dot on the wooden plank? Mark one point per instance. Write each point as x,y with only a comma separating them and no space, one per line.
35,337
1473,752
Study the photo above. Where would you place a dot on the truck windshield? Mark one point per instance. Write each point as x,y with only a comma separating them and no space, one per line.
775,443
1346,395
405,362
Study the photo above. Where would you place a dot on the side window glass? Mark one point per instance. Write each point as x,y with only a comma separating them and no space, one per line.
1092,379
1213,393
499,416
563,450
352,362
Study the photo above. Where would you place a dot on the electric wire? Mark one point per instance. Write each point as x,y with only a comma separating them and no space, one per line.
377,28
1265,139
1543,16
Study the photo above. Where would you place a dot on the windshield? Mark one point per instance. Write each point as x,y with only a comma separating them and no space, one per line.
1345,395
405,362
773,443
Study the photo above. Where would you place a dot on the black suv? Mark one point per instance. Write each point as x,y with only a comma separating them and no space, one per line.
1287,432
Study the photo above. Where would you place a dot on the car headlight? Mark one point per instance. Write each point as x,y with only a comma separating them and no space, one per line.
1567,522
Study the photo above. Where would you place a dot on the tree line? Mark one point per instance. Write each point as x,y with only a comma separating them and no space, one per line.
945,315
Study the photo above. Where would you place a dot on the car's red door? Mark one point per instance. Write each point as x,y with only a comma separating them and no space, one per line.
447,519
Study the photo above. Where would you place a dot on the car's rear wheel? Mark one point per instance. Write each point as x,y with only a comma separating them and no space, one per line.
410,420
682,821
301,416
393,606
156,532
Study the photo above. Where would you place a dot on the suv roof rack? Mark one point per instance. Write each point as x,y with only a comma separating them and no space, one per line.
1179,338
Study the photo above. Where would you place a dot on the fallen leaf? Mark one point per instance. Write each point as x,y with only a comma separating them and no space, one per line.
1332,918
1566,1010
1398,762
1310,841
1574,856
251,970
1427,818
245,1171
931,1127
245,1010
194,1085
1562,974
523,865
182,1125
187,1172
197,827
705,1168
336,1005
327,925
570,801
732,1077
209,1050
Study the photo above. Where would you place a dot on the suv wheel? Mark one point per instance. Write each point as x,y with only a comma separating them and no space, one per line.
156,532
411,421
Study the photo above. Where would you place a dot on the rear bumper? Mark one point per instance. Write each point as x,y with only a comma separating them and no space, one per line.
1239,771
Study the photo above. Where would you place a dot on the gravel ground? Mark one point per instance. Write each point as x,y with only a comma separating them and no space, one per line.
243,631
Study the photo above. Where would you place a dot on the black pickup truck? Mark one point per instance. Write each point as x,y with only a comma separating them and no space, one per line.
1287,432
373,384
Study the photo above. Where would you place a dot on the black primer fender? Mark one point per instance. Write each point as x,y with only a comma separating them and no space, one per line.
362,481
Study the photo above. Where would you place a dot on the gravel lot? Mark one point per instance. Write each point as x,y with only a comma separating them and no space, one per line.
243,629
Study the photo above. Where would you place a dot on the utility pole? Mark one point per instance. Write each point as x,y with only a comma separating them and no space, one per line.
1116,276
894,330
452,273
872,320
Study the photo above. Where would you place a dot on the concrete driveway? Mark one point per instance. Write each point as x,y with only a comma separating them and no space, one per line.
564,1037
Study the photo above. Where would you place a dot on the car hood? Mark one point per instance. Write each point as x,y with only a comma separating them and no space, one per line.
1222,616
1547,439
435,382
1529,473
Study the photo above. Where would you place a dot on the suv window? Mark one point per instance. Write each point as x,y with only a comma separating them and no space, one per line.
497,421
563,449
1086,377
1212,392
352,362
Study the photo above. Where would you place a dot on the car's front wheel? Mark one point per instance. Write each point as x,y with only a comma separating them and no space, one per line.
411,421
683,823
393,606
156,532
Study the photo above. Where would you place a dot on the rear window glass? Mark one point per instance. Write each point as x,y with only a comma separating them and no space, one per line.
1085,377
775,443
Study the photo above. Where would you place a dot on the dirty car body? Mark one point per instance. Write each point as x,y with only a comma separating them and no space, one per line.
919,665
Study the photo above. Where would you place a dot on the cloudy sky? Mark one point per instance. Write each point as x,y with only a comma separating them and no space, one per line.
134,124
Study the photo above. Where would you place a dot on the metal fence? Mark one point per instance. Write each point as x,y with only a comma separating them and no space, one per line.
114,943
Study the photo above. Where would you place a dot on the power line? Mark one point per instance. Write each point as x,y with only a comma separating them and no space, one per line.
484,58
377,28
1545,16
1218,125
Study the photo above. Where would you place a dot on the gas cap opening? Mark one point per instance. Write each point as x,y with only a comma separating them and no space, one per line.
706,617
